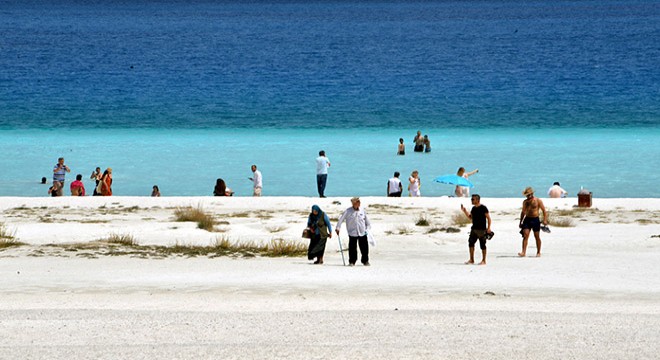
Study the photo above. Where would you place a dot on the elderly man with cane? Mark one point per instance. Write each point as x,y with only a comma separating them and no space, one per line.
357,226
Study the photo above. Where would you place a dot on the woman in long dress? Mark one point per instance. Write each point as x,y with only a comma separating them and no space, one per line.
319,224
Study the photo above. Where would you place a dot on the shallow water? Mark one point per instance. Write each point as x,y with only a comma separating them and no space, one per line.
610,163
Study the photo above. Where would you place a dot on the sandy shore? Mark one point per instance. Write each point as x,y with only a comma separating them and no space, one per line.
593,294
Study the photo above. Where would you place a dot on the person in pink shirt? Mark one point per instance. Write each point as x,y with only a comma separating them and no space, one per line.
77,187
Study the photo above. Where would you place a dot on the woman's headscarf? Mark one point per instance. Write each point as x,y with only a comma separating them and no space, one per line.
313,218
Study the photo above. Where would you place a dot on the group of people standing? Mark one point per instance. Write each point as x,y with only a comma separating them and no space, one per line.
358,227
422,144
395,187
530,222
103,180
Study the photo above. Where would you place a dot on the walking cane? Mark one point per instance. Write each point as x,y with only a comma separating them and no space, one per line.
341,250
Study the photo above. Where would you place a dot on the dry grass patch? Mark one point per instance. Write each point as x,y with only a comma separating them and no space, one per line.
126,245
574,212
400,230
647,221
284,247
459,219
422,220
8,238
239,215
263,215
561,222
94,221
204,221
121,239
276,228
443,229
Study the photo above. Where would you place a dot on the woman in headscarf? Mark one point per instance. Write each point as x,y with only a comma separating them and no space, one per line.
321,229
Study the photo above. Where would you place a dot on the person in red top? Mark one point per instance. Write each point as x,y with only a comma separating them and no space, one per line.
77,187
106,183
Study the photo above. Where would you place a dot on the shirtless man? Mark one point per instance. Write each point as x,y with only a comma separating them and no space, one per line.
529,220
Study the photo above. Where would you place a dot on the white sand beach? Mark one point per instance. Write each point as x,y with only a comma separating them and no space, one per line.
594,293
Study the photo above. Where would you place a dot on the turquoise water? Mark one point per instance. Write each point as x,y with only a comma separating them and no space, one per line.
608,162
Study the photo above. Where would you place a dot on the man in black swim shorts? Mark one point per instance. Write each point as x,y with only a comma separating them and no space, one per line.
529,220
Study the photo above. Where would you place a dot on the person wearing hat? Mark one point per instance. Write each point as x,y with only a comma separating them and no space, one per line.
357,226
529,220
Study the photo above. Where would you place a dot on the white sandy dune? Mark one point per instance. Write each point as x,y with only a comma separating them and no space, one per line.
594,294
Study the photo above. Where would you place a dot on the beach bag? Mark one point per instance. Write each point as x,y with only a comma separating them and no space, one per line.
307,233
370,239
98,187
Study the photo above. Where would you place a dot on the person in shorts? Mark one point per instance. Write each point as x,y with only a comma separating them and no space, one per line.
480,227
529,220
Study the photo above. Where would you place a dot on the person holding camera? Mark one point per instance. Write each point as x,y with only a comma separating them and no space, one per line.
58,176
480,228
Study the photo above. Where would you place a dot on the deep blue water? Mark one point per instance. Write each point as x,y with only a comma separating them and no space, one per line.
331,64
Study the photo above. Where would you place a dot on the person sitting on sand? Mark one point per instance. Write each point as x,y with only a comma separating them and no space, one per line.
529,220
221,189
556,191
77,187
319,224
480,227
155,192
464,191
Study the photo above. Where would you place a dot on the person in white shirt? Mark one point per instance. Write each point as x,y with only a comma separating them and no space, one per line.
414,184
556,191
394,187
256,180
357,226
322,165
